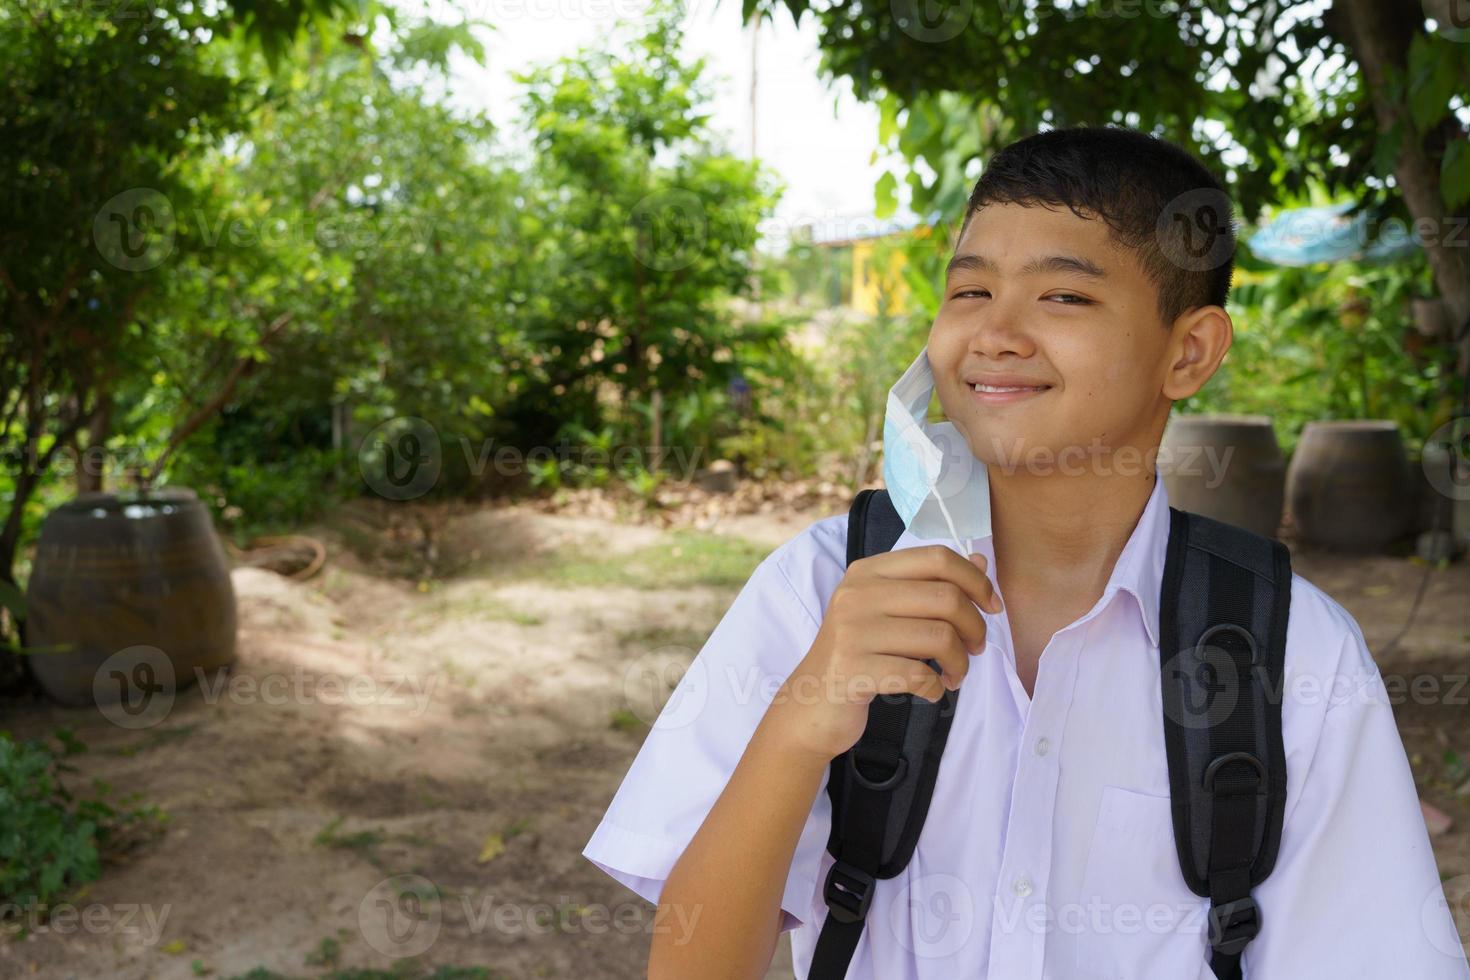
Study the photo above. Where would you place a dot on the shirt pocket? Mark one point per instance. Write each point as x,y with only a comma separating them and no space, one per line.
1137,918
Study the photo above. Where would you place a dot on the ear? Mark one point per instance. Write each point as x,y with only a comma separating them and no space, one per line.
1198,342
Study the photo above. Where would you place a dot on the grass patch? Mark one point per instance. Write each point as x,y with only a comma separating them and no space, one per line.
327,953
687,558
624,720
365,843
362,841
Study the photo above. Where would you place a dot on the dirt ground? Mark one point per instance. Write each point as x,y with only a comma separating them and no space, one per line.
397,770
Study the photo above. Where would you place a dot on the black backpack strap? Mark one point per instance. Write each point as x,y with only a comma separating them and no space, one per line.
880,789
1222,644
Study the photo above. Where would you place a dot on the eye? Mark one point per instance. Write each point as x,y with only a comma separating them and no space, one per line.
1072,298
974,291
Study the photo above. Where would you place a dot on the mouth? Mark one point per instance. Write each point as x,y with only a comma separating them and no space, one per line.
991,393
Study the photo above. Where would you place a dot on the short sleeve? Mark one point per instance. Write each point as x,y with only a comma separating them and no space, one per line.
1355,891
704,727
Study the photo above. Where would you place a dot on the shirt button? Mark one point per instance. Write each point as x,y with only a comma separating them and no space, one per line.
1043,745
1022,885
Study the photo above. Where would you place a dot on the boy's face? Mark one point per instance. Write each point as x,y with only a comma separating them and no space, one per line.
1062,328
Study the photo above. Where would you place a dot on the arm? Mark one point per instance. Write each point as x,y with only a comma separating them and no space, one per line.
734,892
889,614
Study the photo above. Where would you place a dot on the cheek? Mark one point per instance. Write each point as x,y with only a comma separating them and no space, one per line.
1119,372
946,347
944,337
1098,374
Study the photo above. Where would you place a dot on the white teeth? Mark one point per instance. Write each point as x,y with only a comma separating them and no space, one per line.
1005,388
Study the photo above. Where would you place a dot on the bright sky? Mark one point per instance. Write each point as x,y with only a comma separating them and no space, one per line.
817,138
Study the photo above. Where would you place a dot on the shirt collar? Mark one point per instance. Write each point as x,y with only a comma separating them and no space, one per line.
1139,570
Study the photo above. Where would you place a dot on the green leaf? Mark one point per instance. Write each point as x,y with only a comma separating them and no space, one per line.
888,108
885,195
1433,78
1454,175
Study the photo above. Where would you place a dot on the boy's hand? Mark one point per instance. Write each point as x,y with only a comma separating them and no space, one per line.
890,613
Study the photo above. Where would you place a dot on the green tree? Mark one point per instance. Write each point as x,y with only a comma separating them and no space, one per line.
376,218
640,227
1364,98
104,108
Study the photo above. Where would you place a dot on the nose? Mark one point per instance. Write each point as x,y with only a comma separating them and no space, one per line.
998,331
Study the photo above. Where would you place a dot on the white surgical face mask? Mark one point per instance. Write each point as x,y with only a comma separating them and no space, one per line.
936,483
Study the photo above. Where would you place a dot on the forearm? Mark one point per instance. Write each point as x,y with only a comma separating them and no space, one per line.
720,909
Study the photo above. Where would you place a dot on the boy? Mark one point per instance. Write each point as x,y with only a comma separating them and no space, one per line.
1071,322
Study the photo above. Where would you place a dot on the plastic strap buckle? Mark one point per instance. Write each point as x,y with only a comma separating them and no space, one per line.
1233,925
848,892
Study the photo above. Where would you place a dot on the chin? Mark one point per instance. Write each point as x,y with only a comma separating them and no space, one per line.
999,446
1011,450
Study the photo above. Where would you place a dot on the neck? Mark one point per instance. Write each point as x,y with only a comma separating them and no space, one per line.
1062,530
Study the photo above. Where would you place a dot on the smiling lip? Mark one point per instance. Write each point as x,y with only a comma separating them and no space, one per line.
1003,389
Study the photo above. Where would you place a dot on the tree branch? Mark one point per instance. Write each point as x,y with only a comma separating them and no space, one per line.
243,367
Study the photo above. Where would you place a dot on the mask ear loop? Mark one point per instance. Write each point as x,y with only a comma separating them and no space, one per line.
949,521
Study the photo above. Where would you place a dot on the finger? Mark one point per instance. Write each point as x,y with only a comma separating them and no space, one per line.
980,562
935,561
900,675
929,599
919,639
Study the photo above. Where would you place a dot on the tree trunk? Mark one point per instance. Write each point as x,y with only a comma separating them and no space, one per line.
27,478
1379,33
92,458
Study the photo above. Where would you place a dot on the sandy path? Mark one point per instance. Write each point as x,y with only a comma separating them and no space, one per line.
411,726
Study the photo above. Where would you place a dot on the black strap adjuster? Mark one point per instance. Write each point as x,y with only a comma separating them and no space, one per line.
1233,925
848,892
1231,758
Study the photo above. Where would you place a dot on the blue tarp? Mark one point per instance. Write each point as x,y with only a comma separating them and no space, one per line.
1302,236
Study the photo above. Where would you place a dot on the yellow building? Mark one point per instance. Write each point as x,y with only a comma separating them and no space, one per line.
877,276
867,262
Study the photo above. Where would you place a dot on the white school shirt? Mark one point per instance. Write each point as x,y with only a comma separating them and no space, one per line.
1048,852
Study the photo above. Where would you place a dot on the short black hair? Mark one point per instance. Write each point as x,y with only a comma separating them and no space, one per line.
1157,199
